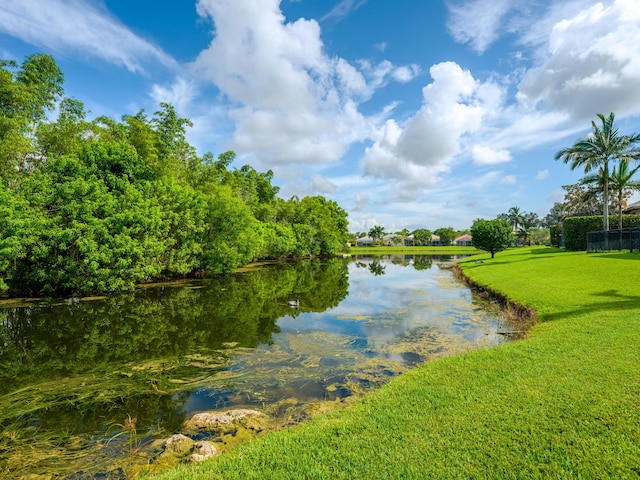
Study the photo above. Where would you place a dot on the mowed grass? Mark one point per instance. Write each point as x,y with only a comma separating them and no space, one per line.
564,403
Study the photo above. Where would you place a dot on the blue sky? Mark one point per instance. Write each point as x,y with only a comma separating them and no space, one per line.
409,113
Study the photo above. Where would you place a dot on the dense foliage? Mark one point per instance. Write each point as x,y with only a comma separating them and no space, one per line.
601,148
555,233
575,229
491,235
98,206
447,235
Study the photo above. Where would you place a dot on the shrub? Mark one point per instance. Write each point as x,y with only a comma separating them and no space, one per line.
576,228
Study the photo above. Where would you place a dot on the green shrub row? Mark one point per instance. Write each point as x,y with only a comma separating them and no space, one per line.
575,229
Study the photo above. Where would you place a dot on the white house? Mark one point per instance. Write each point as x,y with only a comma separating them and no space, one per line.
464,241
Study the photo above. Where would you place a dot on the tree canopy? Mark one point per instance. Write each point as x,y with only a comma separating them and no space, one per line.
101,205
491,235
598,150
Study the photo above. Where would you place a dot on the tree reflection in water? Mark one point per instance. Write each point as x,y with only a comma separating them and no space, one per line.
75,368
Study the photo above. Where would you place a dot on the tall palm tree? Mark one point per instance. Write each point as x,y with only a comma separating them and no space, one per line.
597,150
515,217
376,232
620,182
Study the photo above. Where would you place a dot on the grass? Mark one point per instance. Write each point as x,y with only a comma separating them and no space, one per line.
562,403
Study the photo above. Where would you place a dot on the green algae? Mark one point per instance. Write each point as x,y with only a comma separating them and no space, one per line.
177,349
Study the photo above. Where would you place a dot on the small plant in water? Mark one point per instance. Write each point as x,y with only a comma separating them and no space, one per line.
128,428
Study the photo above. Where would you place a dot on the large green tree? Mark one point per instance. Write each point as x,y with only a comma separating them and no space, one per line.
422,236
491,235
446,234
598,150
99,206
26,95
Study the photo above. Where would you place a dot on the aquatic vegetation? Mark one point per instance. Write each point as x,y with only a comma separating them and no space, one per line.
106,380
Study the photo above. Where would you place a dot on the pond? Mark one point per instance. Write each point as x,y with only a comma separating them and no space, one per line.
76,371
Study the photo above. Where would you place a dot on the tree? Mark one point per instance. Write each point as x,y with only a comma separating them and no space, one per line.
43,81
582,200
376,232
556,214
66,135
531,219
422,236
491,235
620,182
524,234
515,217
328,222
175,155
25,98
597,150
446,234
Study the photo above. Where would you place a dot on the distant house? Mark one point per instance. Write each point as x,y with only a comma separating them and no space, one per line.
364,242
435,240
393,239
634,208
464,241
389,240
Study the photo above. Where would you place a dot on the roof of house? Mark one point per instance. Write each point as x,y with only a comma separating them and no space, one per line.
466,236
633,207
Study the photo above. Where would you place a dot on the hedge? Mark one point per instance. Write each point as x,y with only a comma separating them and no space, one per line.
575,229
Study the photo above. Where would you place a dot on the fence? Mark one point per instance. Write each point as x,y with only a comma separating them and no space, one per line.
625,239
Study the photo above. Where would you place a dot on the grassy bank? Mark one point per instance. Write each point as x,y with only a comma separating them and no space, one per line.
563,403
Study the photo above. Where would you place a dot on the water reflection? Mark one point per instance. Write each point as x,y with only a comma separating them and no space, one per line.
165,352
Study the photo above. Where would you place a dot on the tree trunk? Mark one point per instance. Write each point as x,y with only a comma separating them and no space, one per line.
605,209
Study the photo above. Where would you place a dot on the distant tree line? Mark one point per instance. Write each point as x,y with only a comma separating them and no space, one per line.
101,205
421,236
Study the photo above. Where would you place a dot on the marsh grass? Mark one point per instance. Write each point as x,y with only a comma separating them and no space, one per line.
562,403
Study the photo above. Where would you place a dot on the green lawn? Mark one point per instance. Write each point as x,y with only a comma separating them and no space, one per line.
562,403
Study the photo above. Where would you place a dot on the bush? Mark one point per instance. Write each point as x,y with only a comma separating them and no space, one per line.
575,231
576,228
555,232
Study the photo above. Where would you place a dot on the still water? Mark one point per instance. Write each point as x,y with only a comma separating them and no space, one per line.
74,370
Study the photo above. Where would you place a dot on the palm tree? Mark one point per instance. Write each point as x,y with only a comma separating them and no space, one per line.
524,234
531,219
620,182
597,150
514,216
376,232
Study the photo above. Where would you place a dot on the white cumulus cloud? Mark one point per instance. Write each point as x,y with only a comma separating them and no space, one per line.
291,102
454,105
485,155
591,63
